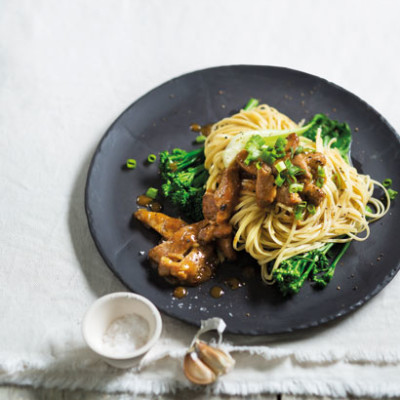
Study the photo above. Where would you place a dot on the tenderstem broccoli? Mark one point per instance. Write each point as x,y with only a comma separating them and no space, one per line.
183,178
293,272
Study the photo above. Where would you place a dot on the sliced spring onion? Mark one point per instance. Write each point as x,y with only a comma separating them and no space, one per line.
369,209
252,103
392,193
152,193
387,183
300,149
200,139
280,166
279,180
321,171
337,179
151,158
296,187
238,142
280,145
320,182
311,209
268,156
131,163
293,169
299,210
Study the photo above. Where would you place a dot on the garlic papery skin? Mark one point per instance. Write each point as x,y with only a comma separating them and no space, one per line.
219,361
196,371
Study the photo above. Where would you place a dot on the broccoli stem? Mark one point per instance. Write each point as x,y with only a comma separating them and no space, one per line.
340,254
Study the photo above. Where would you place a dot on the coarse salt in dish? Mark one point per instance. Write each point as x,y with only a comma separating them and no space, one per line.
126,334
121,327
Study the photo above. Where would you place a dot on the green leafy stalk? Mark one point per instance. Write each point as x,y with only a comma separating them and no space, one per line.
330,129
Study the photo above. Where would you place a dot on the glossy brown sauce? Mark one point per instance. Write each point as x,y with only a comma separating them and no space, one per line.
155,206
146,201
217,292
143,200
180,292
234,283
204,130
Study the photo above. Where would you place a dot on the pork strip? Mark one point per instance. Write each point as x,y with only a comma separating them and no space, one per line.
209,206
292,143
196,267
250,169
285,197
313,194
265,186
300,160
166,226
179,243
227,194
315,160
226,248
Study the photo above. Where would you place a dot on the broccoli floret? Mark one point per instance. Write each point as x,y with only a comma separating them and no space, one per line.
183,180
292,273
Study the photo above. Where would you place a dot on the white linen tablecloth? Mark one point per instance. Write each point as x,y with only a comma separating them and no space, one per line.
67,70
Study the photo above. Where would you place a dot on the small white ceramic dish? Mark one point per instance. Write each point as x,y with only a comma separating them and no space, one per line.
106,310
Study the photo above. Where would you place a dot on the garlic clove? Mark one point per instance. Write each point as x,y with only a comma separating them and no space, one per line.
196,371
218,360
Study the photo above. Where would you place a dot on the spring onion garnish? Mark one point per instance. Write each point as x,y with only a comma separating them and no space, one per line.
258,164
253,148
321,171
268,155
152,193
369,209
300,149
130,163
252,103
151,158
296,187
311,209
337,179
200,139
280,146
299,210
320,182
387,183
392,193
280,166
279,180
293,170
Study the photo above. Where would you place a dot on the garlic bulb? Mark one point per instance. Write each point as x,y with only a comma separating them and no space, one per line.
203,363
218,360
196,371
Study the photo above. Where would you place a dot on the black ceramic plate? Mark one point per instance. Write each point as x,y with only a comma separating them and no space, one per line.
160,120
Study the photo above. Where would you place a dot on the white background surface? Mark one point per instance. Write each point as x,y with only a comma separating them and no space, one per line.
67,70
